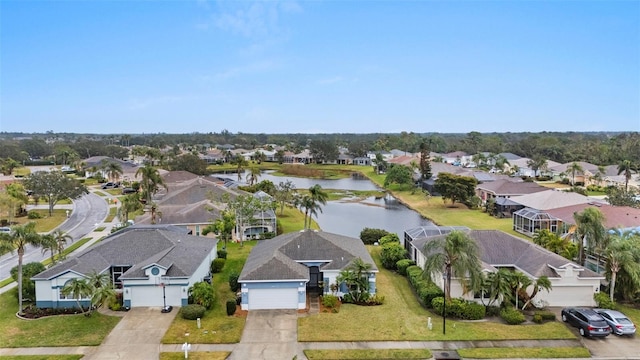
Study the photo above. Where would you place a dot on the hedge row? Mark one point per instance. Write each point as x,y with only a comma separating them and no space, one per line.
460,308
425,289
512,316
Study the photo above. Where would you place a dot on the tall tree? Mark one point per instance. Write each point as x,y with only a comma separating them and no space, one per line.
240,163
622,255
356,278
284,194
455,254
112,169
253,175
18,239
455,187
590,231
150,182
128,204
425,161
78,289
222,226
61,239
574,169
54,186
627,168
398,174
312,202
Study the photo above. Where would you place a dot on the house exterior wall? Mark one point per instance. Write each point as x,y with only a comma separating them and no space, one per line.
330,278
247,286
48,293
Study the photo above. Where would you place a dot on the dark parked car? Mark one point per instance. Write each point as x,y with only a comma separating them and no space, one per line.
588,322
128,191
110,185
619,322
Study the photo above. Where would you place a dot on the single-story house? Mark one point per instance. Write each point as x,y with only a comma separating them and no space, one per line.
504,188
150,265
279,271
572,284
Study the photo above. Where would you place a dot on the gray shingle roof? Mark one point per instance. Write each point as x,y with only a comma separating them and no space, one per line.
509,188
277,258
138,246
499,249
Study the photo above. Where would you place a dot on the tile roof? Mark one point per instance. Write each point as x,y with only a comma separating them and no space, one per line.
278,258
499,249
138,246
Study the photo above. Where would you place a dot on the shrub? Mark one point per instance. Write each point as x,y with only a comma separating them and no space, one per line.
391,253
217,265
603,301
329,301
202,293
546,315
370,236
28,271
34,215
474,311
231,307
192,311
493,310
537,318
222,254
403,264
512,316
459,308
427,291
414,274
233,281
389,238
375,300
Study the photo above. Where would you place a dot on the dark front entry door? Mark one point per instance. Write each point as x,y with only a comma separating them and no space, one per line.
315,276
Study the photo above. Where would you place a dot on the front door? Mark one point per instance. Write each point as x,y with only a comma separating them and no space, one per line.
315,276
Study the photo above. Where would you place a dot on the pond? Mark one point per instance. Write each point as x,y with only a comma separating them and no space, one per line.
348,216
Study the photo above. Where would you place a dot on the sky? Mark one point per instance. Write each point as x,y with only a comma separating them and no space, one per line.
319,66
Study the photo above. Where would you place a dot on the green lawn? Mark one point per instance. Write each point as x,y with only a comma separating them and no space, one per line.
78,330
368,354
220,327
113,211
293,220
42,357
517,353
208,355
68,250
46,223
402,318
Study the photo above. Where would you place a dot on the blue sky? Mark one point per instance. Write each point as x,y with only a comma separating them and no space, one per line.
319,66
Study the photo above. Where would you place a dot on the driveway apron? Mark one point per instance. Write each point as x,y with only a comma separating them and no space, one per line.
137,336
268,334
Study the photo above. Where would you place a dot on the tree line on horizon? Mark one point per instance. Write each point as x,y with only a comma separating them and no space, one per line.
600,148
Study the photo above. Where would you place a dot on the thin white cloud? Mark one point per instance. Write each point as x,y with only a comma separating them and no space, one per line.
253,19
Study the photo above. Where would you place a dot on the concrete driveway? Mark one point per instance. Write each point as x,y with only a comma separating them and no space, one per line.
269,334
137,336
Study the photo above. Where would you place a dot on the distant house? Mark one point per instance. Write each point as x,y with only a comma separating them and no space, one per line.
94,165
583,176
572,284
279,272
263,221
149,265
362,161
534,214
504,188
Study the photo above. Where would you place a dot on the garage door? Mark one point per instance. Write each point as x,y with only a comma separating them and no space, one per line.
569,296
153,296
276,298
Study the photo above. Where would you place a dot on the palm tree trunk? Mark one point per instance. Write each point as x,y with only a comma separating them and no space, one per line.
612,286
20,254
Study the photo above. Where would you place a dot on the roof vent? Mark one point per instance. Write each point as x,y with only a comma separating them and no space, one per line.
298,246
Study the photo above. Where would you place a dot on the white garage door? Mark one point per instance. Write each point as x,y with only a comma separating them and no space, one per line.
569,296
276,298
152,296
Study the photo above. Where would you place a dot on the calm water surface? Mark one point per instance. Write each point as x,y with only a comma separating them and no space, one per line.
348,217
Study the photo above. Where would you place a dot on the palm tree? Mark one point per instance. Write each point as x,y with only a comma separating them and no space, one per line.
61,238
102,292
541,283
151,181
356,277
573,169
497,285
112,169
129,204
253,175
622,254
312,203
590,231
240,162
454,255
19,237
48,243
78,289
627,168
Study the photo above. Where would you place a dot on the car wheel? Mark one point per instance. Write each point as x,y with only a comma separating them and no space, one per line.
582,333
564,317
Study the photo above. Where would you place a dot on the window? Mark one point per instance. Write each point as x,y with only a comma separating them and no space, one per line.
116,272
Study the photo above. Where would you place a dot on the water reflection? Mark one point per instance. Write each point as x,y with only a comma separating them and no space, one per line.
349,216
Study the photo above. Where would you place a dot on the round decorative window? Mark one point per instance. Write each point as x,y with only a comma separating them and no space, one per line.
155,271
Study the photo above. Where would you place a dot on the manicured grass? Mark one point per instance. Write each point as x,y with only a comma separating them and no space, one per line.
517,353
101,228
47,223
402,318
42,357
6,282
208,355
368,354
74,330
220,327
21,171
113,211
293,220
